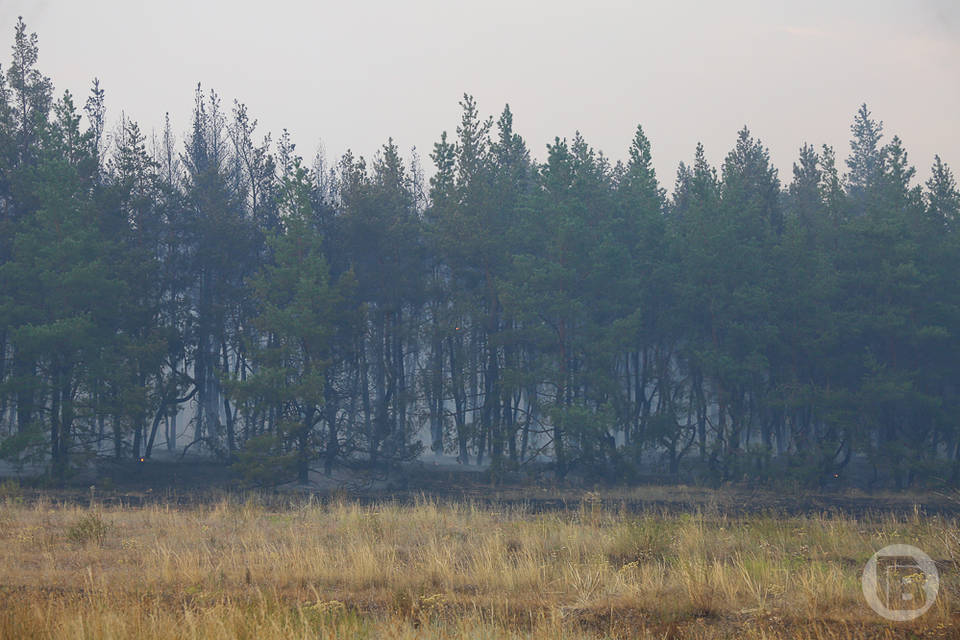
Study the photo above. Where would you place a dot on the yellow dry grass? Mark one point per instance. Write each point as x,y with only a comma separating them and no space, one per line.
242,570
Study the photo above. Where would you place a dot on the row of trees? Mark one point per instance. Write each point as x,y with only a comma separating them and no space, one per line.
505,311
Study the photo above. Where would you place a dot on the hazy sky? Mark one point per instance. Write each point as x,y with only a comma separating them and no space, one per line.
351,74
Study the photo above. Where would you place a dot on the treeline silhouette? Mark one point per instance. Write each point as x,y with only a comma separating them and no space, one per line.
297,315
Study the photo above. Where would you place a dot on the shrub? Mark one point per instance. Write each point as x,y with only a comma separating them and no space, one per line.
10,488
89,528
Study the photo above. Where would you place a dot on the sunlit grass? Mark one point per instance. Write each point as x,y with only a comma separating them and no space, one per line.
239,569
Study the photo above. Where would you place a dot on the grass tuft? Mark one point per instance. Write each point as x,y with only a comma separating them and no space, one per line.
90,527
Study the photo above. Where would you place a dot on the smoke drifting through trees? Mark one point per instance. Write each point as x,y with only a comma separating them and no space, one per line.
312,315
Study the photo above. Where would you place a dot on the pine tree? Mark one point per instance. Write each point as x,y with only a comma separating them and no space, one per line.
61,296
866,160
304,313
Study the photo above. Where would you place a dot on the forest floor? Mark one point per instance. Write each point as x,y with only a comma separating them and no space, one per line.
651,562
196,482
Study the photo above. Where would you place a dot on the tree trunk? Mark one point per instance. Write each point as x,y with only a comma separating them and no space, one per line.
436,395
333,445
24,369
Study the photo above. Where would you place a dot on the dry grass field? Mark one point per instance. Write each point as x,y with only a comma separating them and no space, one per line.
240,569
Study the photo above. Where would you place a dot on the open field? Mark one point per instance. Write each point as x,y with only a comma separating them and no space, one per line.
251,568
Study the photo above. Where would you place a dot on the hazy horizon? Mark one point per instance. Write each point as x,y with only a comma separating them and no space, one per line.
350,76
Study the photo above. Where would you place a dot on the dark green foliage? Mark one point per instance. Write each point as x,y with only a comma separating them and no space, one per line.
289,319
